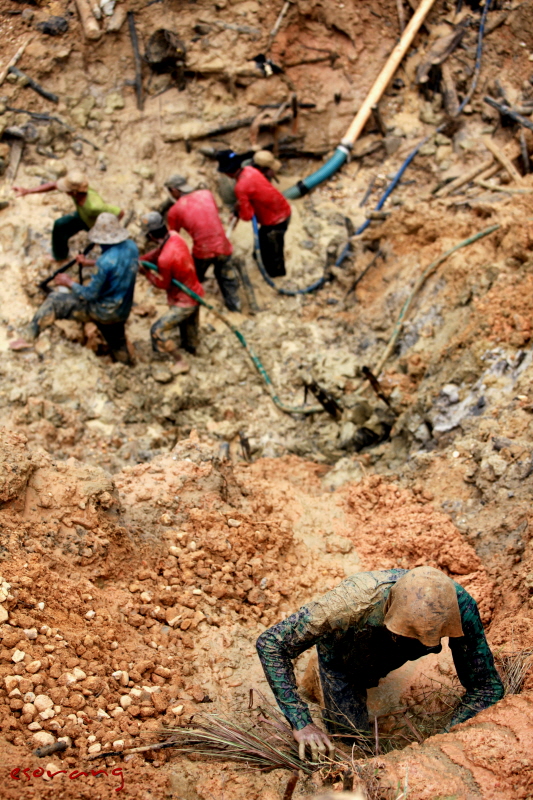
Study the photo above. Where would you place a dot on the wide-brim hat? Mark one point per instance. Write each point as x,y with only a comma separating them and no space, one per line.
107,230
266,159
74,181
179,182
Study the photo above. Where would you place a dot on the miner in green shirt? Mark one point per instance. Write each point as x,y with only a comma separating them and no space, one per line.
369,625
88,204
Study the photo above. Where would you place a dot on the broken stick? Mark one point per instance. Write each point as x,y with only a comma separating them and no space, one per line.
33,85
14,60
91,29
500,156
506,111
466,178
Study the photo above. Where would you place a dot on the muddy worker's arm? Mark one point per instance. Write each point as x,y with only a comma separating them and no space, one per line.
277,647
91,292
474,663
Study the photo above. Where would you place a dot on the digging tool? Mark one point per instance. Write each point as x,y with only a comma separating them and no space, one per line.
44,284
240,266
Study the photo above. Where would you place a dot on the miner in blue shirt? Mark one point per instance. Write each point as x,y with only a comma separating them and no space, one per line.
107,298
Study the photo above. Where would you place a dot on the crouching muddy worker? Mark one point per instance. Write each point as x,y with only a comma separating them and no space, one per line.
257,197
173,260
196,211
89,205
107,298
369,625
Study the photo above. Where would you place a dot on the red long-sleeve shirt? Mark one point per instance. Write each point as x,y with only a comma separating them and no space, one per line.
197,212
256,195
173,260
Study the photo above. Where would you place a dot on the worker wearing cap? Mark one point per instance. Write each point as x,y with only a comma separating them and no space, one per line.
369,625
107,298
174,262
89,205
196,211
257,197
267,164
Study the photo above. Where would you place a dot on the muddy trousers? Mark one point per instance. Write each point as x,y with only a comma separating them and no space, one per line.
344,702
226,278
181,322
271,245
63,229
63,305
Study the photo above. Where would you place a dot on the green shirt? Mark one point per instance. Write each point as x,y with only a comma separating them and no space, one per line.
93,206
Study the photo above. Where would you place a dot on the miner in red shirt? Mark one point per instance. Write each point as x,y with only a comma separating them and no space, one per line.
196,211
257,197
173,260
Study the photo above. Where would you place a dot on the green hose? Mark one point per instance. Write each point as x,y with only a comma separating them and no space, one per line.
254,358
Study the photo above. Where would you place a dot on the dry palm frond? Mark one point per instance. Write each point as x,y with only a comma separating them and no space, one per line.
514,668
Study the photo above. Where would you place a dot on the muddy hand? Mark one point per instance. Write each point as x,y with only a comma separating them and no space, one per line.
315,739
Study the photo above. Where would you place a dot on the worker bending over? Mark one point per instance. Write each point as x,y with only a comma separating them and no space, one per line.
369,625
173,261
267,164
89,205
196,211
257,197
107,298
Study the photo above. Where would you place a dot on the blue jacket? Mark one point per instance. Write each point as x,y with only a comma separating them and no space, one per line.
110,292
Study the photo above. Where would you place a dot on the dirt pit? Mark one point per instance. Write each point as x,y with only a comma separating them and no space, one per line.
144,547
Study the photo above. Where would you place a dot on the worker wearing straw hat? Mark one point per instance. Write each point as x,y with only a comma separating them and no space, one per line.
107,298
89,205
369,625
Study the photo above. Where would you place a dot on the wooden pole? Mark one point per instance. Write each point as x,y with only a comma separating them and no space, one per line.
90,26
386,74
503,159
465,178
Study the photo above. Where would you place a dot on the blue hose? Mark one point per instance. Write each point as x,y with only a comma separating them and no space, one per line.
336,161
479,53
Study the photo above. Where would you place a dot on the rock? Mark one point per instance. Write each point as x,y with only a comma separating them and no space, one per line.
29,708
90,615
79,674
48,713
34,726
43,738
11,682
338,544
30,633
118,744
18,656
4,616
94,748
42,702
34,667
346,435
125,701
234,523
50,768
162,373
113,101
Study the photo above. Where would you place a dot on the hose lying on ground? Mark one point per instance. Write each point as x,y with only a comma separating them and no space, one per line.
251,353
417,287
